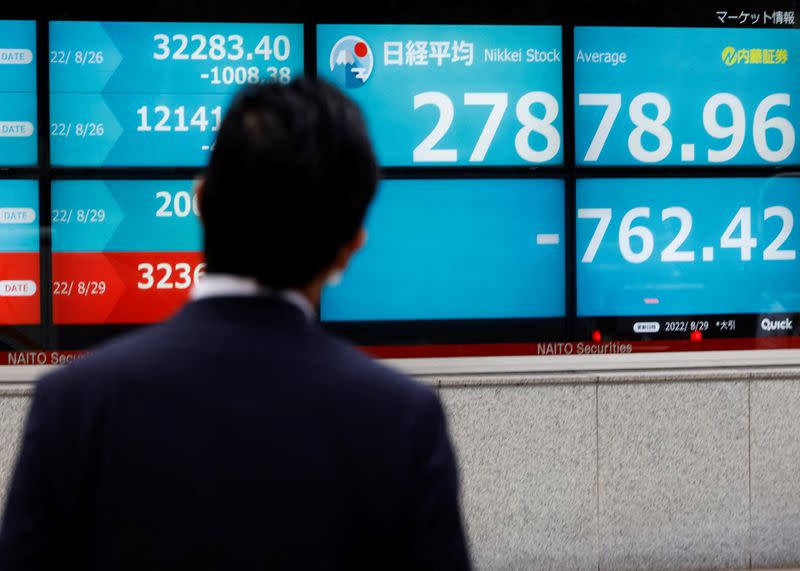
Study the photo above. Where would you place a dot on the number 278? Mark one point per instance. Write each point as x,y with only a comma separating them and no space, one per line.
426,153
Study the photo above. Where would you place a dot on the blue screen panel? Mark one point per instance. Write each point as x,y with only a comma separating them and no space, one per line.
18,141
688,246
19,216
452,95
457,249
125,216
686,96
154,94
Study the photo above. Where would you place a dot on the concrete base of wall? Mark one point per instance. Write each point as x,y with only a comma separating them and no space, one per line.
694,469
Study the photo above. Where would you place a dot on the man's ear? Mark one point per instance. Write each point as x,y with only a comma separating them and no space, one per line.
359,240
349,248
199,188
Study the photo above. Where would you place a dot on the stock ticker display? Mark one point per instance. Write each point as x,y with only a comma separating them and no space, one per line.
18,145
154,94
608,189
123,251
654,247
502,226
671,96
452,95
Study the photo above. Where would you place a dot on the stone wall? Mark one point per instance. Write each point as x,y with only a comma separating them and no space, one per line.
686,469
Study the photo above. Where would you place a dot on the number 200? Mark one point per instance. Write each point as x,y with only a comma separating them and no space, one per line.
181,204
425,151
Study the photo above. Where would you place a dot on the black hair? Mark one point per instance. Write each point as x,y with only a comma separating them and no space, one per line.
290,179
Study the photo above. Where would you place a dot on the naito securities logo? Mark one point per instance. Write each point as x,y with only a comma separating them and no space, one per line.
352,61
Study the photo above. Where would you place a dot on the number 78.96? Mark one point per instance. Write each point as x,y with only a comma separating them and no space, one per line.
657,128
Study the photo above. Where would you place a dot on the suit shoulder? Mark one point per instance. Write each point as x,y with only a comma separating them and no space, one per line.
353,367
105,363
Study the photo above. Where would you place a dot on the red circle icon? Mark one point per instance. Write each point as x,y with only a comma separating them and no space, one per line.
361,49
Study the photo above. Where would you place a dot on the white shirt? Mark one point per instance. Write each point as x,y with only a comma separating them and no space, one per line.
229,285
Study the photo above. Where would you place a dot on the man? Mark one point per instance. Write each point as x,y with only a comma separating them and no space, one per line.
238,435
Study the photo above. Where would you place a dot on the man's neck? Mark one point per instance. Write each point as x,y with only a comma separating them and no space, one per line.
306,299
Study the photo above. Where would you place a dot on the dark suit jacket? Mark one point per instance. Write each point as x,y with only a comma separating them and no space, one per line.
235,436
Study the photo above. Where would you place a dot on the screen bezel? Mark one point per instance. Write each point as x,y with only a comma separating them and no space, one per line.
455,370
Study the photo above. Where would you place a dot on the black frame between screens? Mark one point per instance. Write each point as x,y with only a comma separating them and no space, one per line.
583,12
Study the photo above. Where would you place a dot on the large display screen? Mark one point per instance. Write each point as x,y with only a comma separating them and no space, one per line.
561,180
18,144
154,94
452,95
692,96
123,251
446,249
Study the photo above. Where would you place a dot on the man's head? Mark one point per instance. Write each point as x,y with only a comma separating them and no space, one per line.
290,179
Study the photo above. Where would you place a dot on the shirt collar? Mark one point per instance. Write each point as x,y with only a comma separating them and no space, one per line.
229,285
